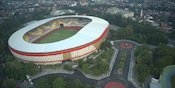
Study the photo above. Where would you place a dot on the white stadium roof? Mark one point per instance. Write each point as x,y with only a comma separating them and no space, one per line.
88,33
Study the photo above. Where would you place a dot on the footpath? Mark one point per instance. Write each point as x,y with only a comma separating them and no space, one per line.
51,71
54,71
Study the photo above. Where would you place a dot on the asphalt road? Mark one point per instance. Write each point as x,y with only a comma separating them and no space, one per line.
113,77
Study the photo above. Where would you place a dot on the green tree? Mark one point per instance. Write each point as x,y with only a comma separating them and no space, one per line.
140,38
15,69
142,72
103,67
96,71
78,84
9,83
162,57
58,83
162,63
43,83
144,55
144,63
2,47
172,35
156,38
129,30
80,62
19,70
85,68
106,45
30,68
68,67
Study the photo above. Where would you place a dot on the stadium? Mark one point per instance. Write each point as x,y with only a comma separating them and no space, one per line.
57,39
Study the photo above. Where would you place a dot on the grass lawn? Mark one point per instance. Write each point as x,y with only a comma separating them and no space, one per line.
99,65
106,56
122,60
173,81
58,35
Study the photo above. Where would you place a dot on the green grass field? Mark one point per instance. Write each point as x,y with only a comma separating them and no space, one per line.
58,35
173,81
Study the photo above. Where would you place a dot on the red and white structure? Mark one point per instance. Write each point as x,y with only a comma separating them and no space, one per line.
86,41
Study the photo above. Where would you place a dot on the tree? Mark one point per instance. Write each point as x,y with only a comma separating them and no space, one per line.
9,83
15,69
43,83
172,35
80,62
124,33
140,38
58,83
129,30
78,84
144,55
138,50
2,46
67,67
162,63
19,70
143,72
106,45
156,38
162,57
30,68
103,67
121,34
144,62
85,68
96,71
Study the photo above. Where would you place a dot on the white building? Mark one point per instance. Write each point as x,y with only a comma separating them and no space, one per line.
124,13
154,83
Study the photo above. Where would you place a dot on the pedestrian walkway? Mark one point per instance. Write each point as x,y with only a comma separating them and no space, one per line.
131,67
131,63
104,78
51,71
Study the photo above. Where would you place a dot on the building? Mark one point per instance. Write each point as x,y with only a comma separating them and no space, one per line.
165,79
154,83
92,32
124,13
127,14
61,12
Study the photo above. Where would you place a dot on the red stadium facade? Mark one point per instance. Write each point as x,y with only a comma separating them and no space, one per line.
58,56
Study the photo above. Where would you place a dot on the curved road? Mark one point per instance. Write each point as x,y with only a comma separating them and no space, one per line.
114,76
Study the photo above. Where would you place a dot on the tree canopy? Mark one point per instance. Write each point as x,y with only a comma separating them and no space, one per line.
8,83
153,60
60,82
18,70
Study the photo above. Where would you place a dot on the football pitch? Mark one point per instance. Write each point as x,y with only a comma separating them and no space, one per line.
58,35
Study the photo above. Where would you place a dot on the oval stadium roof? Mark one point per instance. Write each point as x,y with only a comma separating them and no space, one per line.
88,33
